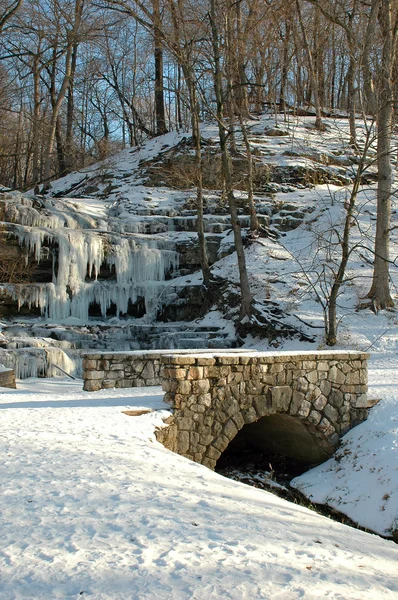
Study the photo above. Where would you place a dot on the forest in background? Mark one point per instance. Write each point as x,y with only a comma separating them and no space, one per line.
83,78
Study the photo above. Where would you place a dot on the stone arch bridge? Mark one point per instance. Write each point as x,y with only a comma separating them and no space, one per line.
295,404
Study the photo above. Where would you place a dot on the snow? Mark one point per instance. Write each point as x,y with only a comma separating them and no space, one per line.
93,506
361,480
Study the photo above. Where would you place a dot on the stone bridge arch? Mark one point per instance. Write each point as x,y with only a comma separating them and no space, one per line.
315,397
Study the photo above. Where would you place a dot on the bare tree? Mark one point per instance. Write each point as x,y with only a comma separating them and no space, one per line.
380,290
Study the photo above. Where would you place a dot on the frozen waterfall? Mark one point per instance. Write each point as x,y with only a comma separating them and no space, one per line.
138,268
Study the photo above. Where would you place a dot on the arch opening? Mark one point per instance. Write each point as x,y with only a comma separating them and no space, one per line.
279,442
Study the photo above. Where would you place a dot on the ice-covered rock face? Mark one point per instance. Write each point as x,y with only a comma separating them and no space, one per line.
138,268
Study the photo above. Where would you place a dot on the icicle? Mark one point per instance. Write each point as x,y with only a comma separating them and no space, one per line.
40,362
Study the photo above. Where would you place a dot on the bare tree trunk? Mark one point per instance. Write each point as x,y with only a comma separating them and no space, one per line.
285,68
368,86
380,290
204,260
331,321
311,71
246,296
72,35
70,110
351,98
160,112
35,123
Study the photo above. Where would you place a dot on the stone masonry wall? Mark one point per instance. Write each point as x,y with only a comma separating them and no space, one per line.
120,370
137,368
213,396
7,379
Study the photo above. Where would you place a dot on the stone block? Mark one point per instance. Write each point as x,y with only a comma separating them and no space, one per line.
314,417
198,408
336,376
360,401
238,420
247,373
333,439
228,360
281,378
320,402
244,360
331,413
7,379
184,423
230,429
114,375
235,378
173,373
204,400
184,387
206,362
92,385
310,365
200,386
211,372
168,398
124,383
262,405
297,399
177,359
231,407
96,375
180,401
313,393
325,386
268,379
252,387
289,377
195,373
336,398
304,410
221,442
112,366
249,415
322,366
312,376
224,371
280,398
213,453
182,442
108,384
326,427
148,371
301,384
89,364
216,428
210,463
194,439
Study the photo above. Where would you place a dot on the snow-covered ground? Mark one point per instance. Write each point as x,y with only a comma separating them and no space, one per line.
361,480
93,506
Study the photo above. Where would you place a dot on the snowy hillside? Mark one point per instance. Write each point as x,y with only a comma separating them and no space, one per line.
116,245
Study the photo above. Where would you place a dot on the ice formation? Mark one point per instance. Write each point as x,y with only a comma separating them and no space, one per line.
138,265
41,362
